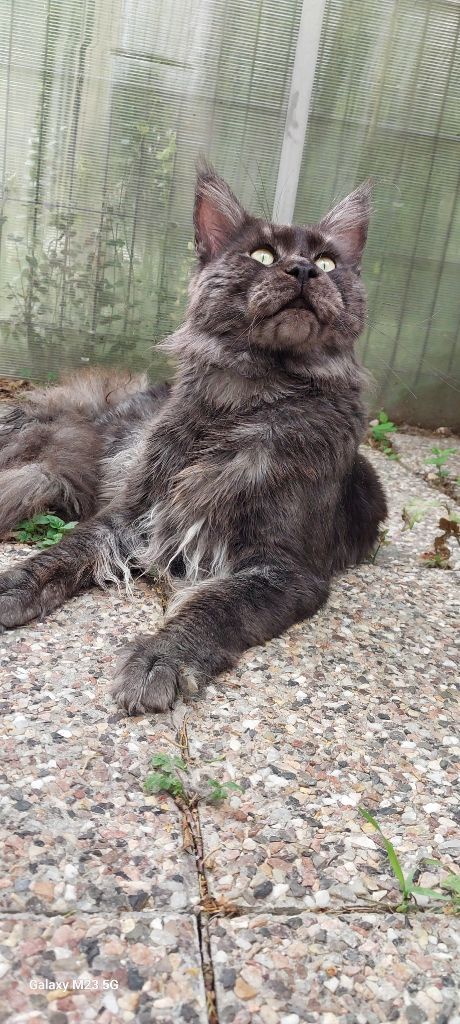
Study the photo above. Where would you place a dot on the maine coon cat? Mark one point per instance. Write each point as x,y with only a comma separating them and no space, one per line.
241,481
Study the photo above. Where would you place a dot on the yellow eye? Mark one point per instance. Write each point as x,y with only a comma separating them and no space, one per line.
264,256
325,263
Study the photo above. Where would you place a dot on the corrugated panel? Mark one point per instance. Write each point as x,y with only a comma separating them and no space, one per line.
386,103
107,104
104,107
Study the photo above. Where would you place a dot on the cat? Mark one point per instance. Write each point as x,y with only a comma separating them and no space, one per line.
241,480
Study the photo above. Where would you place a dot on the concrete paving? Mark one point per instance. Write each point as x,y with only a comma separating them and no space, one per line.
278,905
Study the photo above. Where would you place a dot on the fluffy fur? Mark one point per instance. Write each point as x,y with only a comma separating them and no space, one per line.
241,481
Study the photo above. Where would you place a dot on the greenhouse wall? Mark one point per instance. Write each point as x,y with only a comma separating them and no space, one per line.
105,107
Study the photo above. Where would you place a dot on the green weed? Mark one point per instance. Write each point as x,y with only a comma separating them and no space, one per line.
164,779
381,429
167,777
221,790
415,511
381,542
42,530
438,459
406,882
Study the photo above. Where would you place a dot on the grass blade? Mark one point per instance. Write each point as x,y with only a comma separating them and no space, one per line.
390,850
421,890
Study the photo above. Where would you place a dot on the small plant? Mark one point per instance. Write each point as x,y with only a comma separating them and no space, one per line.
381,542
440,554
407,885
415,511
438,459
164,779
221,790
42,530
381,428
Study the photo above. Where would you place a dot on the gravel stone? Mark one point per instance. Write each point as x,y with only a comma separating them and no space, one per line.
127,980
113,846
309,974
354,708
386,645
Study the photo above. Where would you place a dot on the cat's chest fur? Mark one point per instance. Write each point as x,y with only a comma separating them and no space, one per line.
214,484
200,494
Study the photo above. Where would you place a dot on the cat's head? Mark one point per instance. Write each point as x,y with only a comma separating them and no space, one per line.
295,290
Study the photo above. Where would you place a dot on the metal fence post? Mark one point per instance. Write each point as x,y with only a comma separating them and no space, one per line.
303,74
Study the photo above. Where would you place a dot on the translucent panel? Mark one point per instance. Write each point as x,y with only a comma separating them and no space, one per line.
386,104
107,104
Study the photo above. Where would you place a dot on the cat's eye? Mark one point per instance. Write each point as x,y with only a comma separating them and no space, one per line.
264,256
325,263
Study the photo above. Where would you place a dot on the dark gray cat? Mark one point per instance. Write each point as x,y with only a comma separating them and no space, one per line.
241,481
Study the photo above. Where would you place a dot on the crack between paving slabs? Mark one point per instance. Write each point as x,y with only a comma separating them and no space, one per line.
210,907
193,841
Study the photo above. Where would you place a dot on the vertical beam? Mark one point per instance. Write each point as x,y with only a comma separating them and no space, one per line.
303,74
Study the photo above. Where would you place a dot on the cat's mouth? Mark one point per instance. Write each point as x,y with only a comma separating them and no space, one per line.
299,303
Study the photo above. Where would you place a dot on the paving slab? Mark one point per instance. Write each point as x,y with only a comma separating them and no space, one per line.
406,490
356,707
323,969
77,830
109,968
414,449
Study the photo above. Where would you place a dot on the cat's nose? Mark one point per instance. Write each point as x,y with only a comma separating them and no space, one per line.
302,269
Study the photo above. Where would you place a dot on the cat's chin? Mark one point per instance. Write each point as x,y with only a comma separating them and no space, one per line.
293,329
298,324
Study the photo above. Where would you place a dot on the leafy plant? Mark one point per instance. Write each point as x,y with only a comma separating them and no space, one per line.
42,530
415,511
97,281
381,541
381,428
452,885
438,459
407,883
165,778
221,790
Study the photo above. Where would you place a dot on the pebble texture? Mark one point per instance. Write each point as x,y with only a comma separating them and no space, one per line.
415,449
353,969
406,491
69,970
77,830
357,707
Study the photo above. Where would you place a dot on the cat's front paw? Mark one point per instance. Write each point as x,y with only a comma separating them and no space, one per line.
150,678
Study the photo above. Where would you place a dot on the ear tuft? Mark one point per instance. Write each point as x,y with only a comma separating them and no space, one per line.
217,214
348,222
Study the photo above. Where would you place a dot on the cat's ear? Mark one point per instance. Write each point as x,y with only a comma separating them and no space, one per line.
348,222
217,214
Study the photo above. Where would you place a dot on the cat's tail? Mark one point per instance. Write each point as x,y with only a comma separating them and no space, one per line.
46,465
51,445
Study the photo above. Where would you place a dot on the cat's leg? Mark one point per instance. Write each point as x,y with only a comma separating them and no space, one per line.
361,510
218,620
94,551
